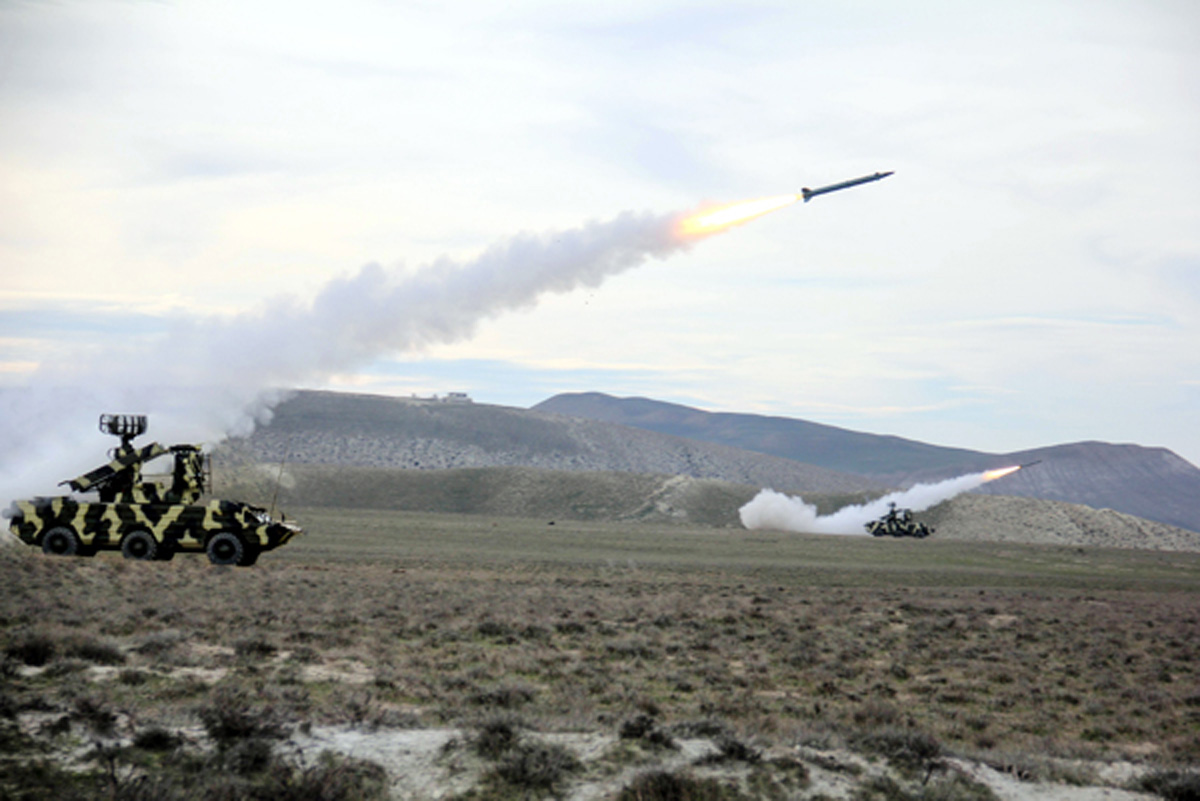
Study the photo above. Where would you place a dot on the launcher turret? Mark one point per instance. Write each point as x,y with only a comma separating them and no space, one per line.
120,481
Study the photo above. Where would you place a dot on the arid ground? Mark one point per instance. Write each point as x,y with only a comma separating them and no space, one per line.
516,658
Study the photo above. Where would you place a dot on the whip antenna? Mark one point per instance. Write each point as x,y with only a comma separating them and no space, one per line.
287,446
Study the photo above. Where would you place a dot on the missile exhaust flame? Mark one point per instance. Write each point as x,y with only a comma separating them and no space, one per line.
992,475
722,217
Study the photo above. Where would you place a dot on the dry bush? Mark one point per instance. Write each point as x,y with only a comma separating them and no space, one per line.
731,749
254,648
645,729
504,696
156,738
497,735
232,714
33,648
666,786
911,751
1173,785
94,712
536,766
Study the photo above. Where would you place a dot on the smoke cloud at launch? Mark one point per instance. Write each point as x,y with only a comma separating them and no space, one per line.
774,510
212,376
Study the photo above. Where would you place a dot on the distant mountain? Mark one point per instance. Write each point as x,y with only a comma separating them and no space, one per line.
333,428
799,440
1151,483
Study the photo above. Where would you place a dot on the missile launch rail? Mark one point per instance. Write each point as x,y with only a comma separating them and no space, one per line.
145,519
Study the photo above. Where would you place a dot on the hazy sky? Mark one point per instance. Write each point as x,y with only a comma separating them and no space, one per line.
1029,276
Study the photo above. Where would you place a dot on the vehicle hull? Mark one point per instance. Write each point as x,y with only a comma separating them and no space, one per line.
175,528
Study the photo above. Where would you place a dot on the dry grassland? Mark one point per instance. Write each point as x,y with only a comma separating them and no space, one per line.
117,675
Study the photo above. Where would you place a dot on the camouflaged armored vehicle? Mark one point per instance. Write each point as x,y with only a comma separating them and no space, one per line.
147,519
898,523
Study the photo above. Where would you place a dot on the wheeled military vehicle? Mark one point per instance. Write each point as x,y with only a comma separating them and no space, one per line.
147,519
898,523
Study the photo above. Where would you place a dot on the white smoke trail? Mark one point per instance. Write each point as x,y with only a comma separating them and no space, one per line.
774,510
212,376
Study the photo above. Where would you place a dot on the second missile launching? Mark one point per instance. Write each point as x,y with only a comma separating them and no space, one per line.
809,194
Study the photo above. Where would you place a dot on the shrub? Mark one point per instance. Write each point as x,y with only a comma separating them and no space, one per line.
875,713
1173,785
333,778
95,651
94,714
495,629
497,736
958,788
249,756
254,648
8,666
132,677
910,750
881,788
156,738
159,643
505,696
731,749
33,649
537,766
231,715
663,786
646,729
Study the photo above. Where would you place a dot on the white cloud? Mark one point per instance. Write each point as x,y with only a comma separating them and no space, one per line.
1027,276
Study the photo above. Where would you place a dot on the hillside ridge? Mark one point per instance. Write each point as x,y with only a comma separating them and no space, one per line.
332,428
1149,482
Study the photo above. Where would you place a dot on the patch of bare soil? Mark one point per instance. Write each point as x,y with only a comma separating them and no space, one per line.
439,764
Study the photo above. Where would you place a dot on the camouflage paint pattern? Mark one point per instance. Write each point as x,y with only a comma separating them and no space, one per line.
898,523
178,527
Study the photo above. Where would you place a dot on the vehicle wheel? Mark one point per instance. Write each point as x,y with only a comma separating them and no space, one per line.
60,541
139,545
226,548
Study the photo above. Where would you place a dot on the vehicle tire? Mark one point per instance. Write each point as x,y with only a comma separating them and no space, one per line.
226,548
60,541
250,554
139,545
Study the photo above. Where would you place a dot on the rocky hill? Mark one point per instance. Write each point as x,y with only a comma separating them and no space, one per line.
1152,483
372,452
374,431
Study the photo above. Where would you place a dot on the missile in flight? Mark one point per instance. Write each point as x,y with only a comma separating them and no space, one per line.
809,194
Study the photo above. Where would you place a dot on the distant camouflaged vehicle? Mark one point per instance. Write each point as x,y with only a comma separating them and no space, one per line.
144,519
898,523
